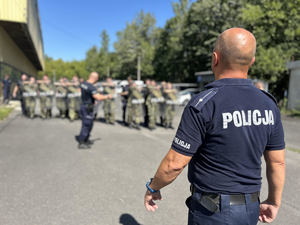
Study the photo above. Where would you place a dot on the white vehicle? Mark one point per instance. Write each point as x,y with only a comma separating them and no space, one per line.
184,96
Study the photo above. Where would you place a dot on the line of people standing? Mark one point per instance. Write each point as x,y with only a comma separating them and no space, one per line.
157,101
65,95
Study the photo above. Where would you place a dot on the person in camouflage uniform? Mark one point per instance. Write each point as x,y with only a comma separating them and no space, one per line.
134,106
170,102
162,105
74,98
109,104
152,102
29,95
61,97
46,95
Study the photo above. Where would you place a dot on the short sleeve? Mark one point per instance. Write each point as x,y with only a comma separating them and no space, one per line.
276,139
93,89
190,133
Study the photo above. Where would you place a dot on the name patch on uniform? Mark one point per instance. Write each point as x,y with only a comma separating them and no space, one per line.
182,143
248,118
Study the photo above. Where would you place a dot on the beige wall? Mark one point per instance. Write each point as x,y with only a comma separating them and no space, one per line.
11,54
34,26
25,12
13,10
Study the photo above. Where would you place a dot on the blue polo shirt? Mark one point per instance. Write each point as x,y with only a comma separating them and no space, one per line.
87,92
226,129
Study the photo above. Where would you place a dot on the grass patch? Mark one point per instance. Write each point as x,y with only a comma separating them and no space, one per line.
293,149
4,112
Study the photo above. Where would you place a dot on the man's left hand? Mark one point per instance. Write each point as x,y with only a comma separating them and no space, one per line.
149,200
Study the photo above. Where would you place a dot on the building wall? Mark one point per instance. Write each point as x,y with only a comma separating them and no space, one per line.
34,26
12,55
25,12
294,90
13,10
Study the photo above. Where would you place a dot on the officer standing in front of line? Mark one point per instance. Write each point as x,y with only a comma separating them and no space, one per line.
88,96
223,133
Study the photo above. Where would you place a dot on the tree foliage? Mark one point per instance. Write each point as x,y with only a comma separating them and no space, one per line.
184,45
138,39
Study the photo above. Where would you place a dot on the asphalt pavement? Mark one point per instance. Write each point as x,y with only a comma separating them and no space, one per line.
46,180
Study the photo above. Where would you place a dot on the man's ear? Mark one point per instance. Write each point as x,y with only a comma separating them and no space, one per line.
252,61
215,59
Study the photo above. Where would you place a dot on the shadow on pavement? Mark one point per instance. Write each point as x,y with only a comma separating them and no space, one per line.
127,219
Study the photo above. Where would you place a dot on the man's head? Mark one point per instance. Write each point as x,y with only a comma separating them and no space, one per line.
46,79
62,81
6,76
169,85
23,77
233,54
32,80
93,78
148,82
109,80
129,79
75,79
153,83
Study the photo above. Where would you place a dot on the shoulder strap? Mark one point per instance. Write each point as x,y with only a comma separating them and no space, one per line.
202,98
270,96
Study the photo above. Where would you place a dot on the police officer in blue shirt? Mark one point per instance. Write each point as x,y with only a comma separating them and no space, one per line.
6,85
88,96
223,133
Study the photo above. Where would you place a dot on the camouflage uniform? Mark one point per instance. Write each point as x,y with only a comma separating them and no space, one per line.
46,95
109,105
153,100
61,100
29,96
74,98
134,107
169,109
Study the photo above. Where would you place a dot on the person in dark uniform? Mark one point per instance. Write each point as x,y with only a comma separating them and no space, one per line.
223,133
88,96
18,92
6,85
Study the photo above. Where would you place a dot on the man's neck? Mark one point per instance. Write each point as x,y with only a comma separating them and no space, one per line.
237,74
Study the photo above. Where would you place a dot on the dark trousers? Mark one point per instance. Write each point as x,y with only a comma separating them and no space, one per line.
124,106
6,95
87,117
23,106
246,214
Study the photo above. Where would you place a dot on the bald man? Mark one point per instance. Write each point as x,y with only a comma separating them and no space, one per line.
88,96
223,133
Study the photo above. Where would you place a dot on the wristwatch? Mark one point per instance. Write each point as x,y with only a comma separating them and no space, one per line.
149,188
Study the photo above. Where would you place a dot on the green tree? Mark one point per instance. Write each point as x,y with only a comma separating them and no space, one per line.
276,26
168,60
138,39
92,59
204,22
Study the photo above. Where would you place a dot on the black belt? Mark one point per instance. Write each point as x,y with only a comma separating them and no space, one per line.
235,199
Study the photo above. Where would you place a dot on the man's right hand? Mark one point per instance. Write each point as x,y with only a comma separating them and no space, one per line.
268,212
149,200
